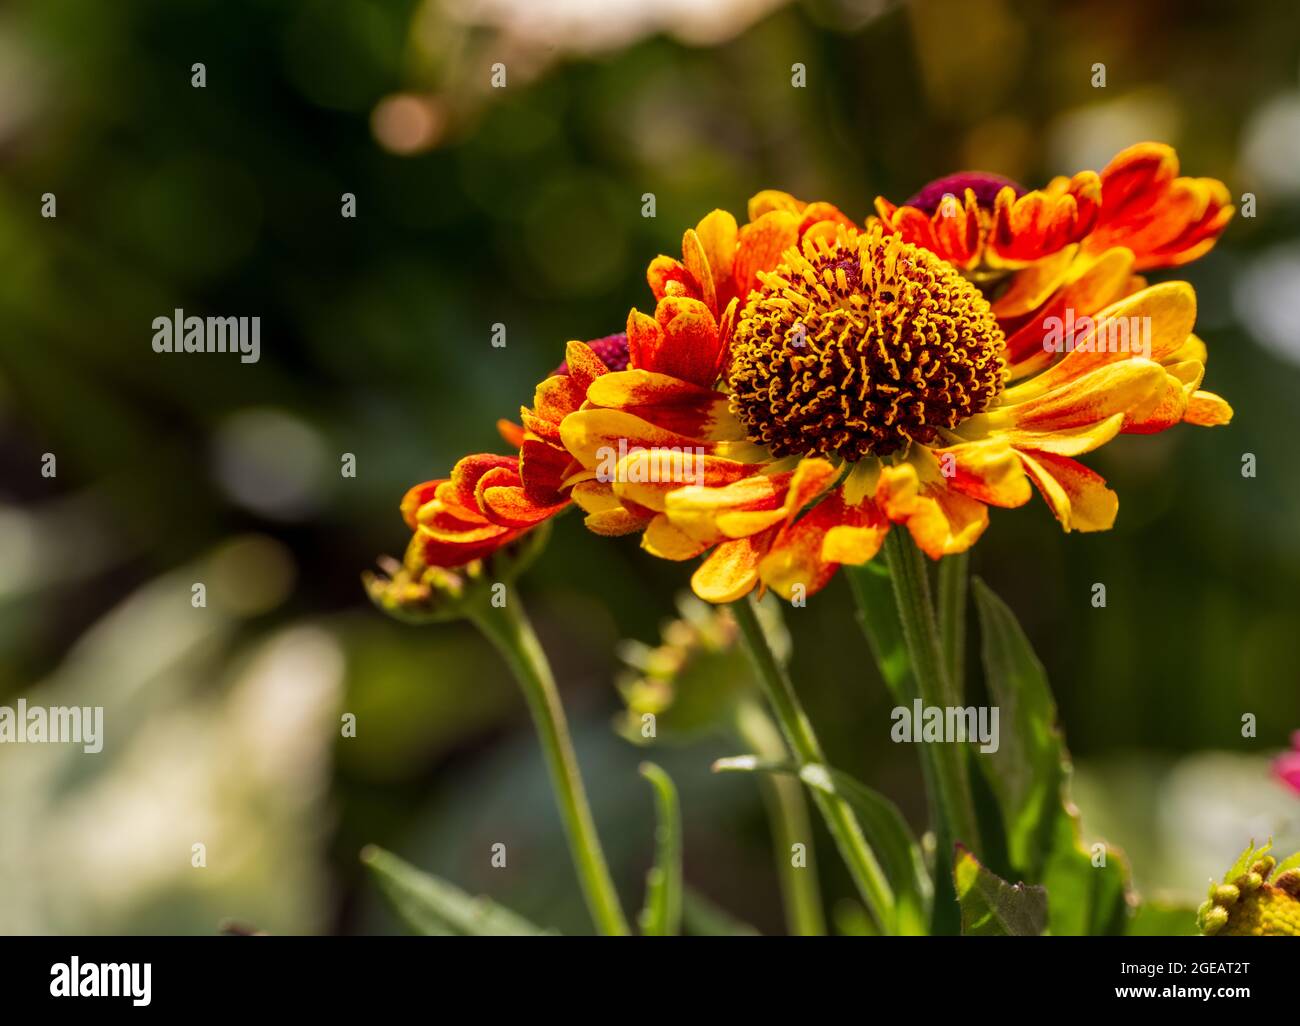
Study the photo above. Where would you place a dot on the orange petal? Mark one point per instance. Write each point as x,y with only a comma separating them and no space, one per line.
669,277
542,468
462,492
644,340
773,200
956,228
415,499
1159,318
1067,441
510,506
697,263
449,549
511,432
1165,220
759,247
557,396
718,236
1207,410
691,342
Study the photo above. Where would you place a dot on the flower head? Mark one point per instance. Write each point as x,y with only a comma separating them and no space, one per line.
804,385
1257,898
868,384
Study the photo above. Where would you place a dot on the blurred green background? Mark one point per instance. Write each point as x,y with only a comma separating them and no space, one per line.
523,206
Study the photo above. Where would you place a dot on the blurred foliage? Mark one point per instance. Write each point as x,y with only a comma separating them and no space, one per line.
522,206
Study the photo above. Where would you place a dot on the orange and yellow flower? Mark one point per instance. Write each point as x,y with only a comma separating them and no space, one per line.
805,385
869,385
489,500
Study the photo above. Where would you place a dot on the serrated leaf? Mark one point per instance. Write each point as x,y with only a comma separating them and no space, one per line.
883,826
431,906
991,907
662,914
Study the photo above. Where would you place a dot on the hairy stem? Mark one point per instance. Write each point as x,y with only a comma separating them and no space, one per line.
798,731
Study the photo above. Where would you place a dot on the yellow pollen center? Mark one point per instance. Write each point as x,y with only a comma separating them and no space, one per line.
857,344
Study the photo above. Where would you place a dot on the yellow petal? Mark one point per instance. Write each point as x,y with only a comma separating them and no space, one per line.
1077,496
1132,387
1066,442
666,541
1167,311
597,438
730,571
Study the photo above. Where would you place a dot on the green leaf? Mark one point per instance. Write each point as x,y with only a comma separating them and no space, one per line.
883,826
1087,890
991,907
435,908
705,918
1029,775
662,914
1027,770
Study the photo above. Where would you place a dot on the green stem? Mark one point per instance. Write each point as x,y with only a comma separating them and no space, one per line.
787,811
798,731
947,760
953,573
508,628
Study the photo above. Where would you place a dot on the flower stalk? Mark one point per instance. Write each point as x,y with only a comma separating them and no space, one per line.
799,734
945,762
787,812
511,632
